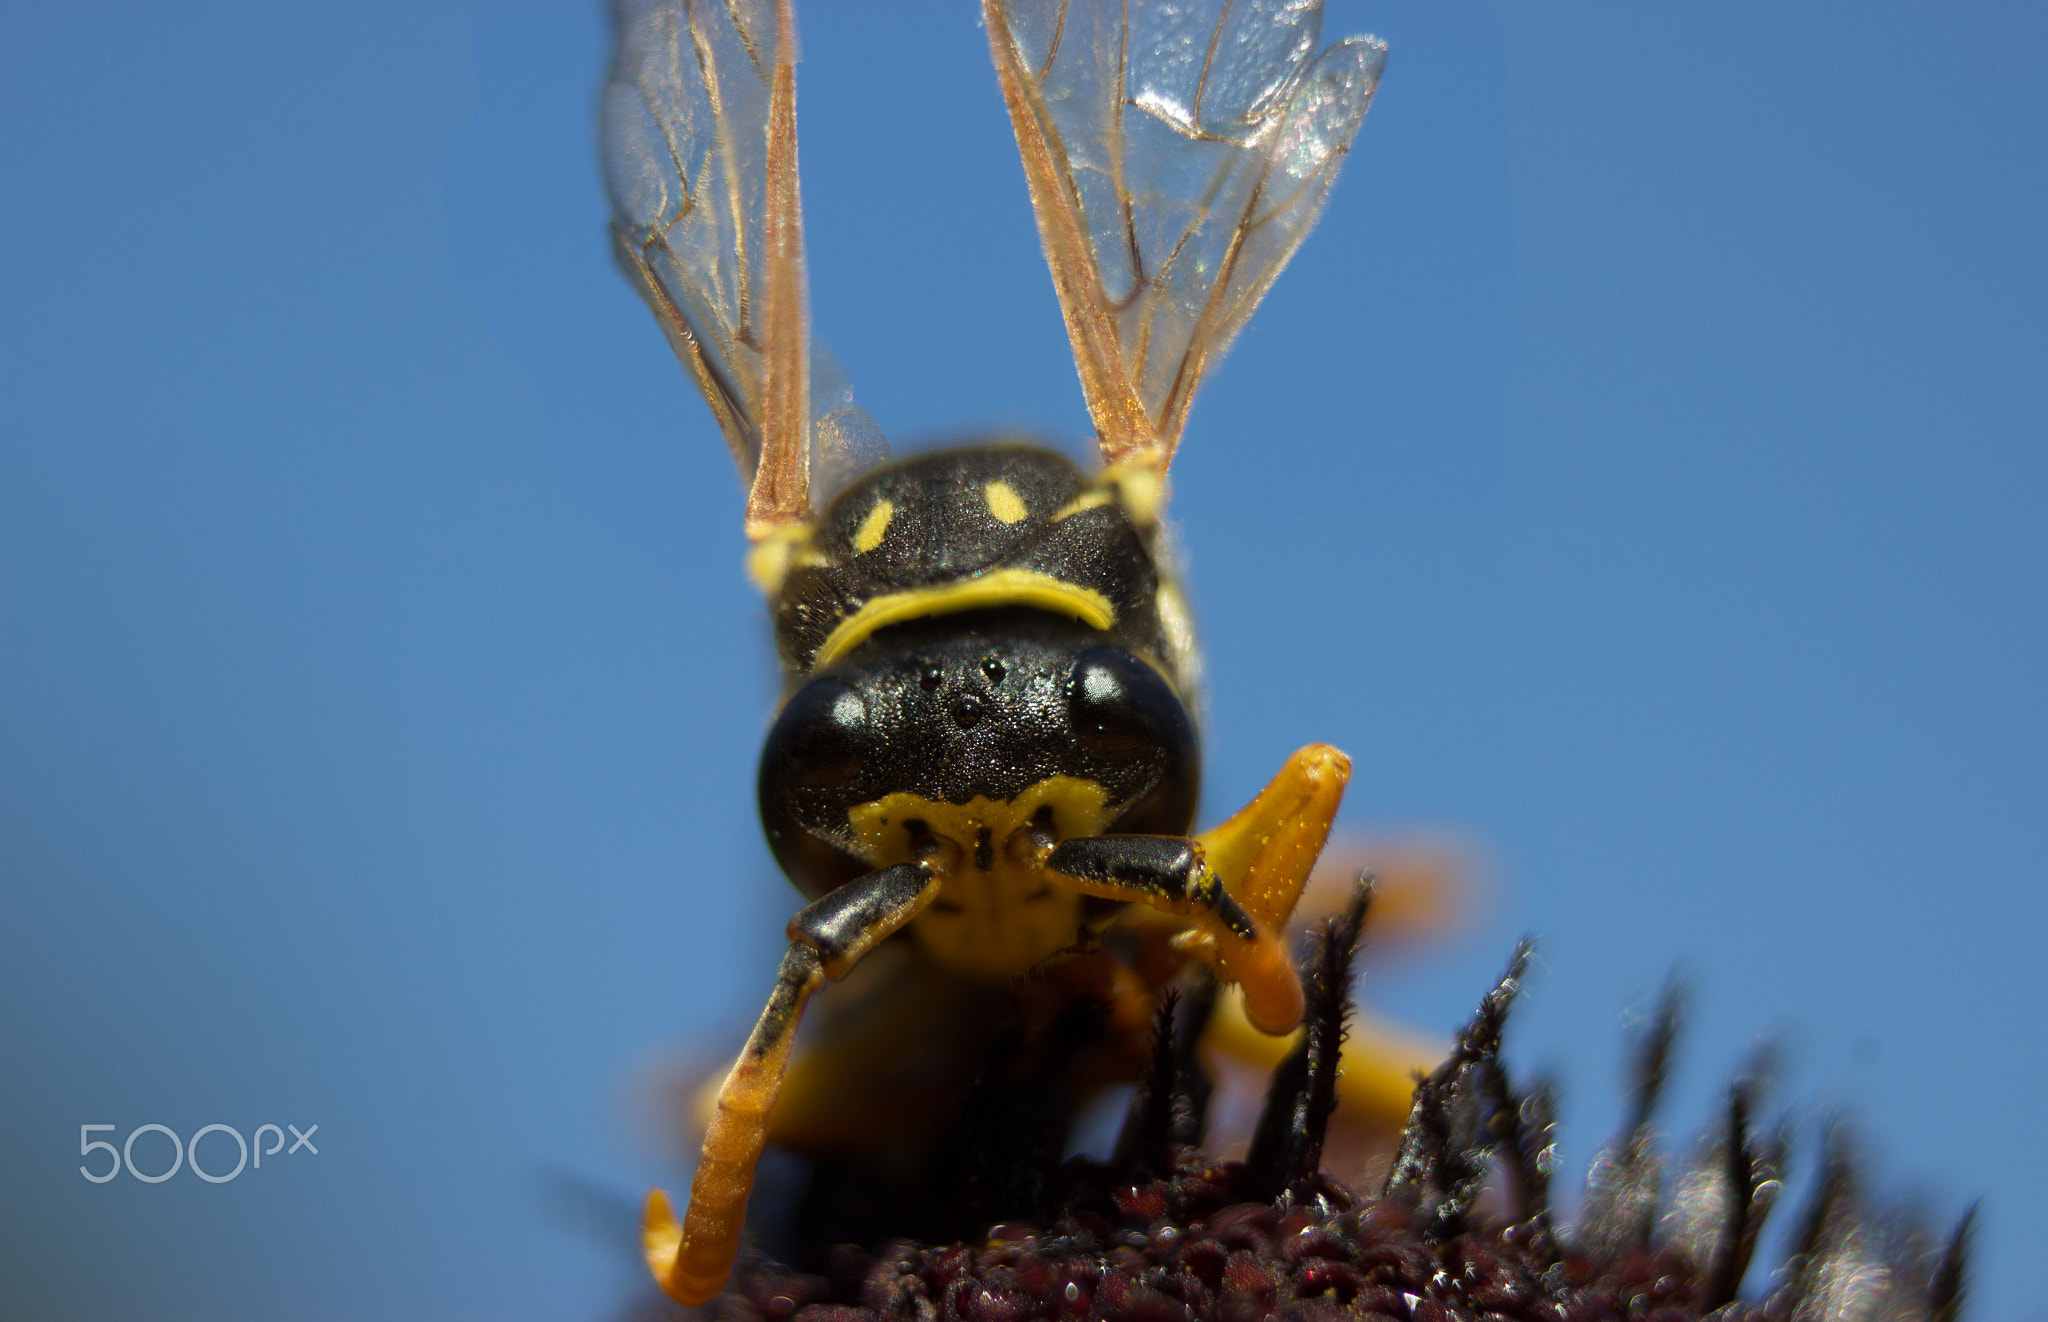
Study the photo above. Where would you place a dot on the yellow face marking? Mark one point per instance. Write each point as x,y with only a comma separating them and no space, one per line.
1004,502
1087,500
874,527
1003,587
996,922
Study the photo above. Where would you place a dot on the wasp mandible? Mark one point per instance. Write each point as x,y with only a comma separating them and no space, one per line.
984,750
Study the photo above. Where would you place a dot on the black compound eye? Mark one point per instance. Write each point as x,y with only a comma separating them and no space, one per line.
820,737
1119,705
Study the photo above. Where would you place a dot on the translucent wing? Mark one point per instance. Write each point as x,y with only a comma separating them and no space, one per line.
699,140
1176,154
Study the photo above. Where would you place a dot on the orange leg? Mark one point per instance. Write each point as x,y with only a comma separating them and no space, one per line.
1265,852
692,1259
1263,856
1239,881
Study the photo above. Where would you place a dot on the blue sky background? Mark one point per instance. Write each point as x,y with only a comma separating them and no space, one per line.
1640,471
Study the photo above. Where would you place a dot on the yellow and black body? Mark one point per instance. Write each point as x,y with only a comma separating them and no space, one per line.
985,746
984,756
979,660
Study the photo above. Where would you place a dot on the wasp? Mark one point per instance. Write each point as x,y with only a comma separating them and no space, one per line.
985,757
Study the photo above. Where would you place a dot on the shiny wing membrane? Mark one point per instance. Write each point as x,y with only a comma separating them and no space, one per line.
699,141
1176,155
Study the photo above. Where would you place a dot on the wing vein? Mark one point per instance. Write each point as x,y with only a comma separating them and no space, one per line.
700,154
781,492
1122,428
1176,154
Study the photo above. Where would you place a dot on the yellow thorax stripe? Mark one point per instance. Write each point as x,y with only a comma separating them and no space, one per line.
1002,587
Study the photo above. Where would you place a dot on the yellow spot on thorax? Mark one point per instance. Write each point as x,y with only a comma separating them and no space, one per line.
874,527
1004,502
996,922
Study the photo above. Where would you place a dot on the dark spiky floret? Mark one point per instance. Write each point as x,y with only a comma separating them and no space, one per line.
1463,1227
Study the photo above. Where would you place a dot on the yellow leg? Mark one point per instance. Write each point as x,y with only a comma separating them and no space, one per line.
862,1081
1263,856
1239,882
692,1259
